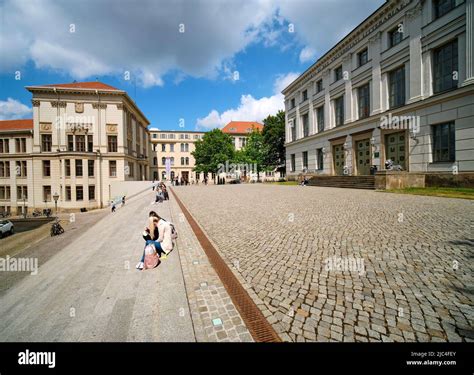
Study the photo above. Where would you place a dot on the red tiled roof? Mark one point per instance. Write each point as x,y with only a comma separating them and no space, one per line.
83,85
16,124
241,127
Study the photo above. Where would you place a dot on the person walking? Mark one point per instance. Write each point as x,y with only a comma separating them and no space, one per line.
113,206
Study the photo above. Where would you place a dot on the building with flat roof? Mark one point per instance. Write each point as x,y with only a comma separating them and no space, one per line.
398,88
171,155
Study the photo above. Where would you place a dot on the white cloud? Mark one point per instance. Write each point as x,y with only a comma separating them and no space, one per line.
143,37
250,108
307,54
13,109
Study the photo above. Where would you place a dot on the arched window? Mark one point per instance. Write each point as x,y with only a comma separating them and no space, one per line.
182,161
187,161
163,175
163,160
172,160
172,175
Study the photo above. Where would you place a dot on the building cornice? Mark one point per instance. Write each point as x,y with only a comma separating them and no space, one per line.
368,28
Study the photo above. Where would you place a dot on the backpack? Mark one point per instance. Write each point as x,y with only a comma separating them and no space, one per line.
151,257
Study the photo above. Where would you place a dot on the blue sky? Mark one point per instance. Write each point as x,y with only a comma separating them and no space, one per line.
175,74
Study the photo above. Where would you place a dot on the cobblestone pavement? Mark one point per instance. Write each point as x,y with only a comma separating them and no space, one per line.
214,315
327,264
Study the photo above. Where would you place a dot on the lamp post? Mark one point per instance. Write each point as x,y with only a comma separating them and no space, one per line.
56,197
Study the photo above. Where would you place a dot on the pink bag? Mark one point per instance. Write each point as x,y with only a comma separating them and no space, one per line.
151,257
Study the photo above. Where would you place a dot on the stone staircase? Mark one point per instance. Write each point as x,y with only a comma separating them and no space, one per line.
350,182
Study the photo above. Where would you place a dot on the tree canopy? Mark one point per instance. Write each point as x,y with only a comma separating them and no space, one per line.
213,149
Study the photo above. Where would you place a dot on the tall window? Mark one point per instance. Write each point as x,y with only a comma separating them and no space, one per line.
182,161
112,143
292,103
293,163
320,158
171,147
70,142
442,7
68,193
78,167
4,146
305,160
81,143
320,118
339,110
293,130
67,167
445,67
20,145
304,95
364,101
155,160
319,86
187,160
338,73
90,168
46,168
172,161
397,87
363,57
21,169
47,193
91,192
79,193
22,192
163,147
112,168
90,143
395,36
46,142
444,143
305,120
163,161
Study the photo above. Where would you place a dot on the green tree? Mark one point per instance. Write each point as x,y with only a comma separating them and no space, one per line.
213,149
274,140
255,151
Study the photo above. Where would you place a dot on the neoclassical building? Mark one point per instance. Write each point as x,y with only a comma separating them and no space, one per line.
82,138
400,86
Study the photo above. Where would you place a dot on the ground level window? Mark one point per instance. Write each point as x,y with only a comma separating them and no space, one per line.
444,143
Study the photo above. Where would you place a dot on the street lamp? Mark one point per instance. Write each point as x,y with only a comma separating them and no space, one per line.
56,197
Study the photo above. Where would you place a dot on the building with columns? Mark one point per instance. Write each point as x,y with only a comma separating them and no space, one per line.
400,86
82,138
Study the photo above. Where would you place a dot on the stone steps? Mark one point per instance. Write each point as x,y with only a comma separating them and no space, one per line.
349,182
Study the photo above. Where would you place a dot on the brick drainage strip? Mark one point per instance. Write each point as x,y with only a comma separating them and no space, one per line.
256,323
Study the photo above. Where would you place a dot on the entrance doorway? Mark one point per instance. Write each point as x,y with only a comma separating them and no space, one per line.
339,160
395,148
185,176
363,157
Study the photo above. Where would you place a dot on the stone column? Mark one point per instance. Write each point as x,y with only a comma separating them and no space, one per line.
416,78
375,51
469,43
348,108
327,101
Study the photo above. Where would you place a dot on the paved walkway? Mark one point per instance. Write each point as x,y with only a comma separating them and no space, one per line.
89,289
328,264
